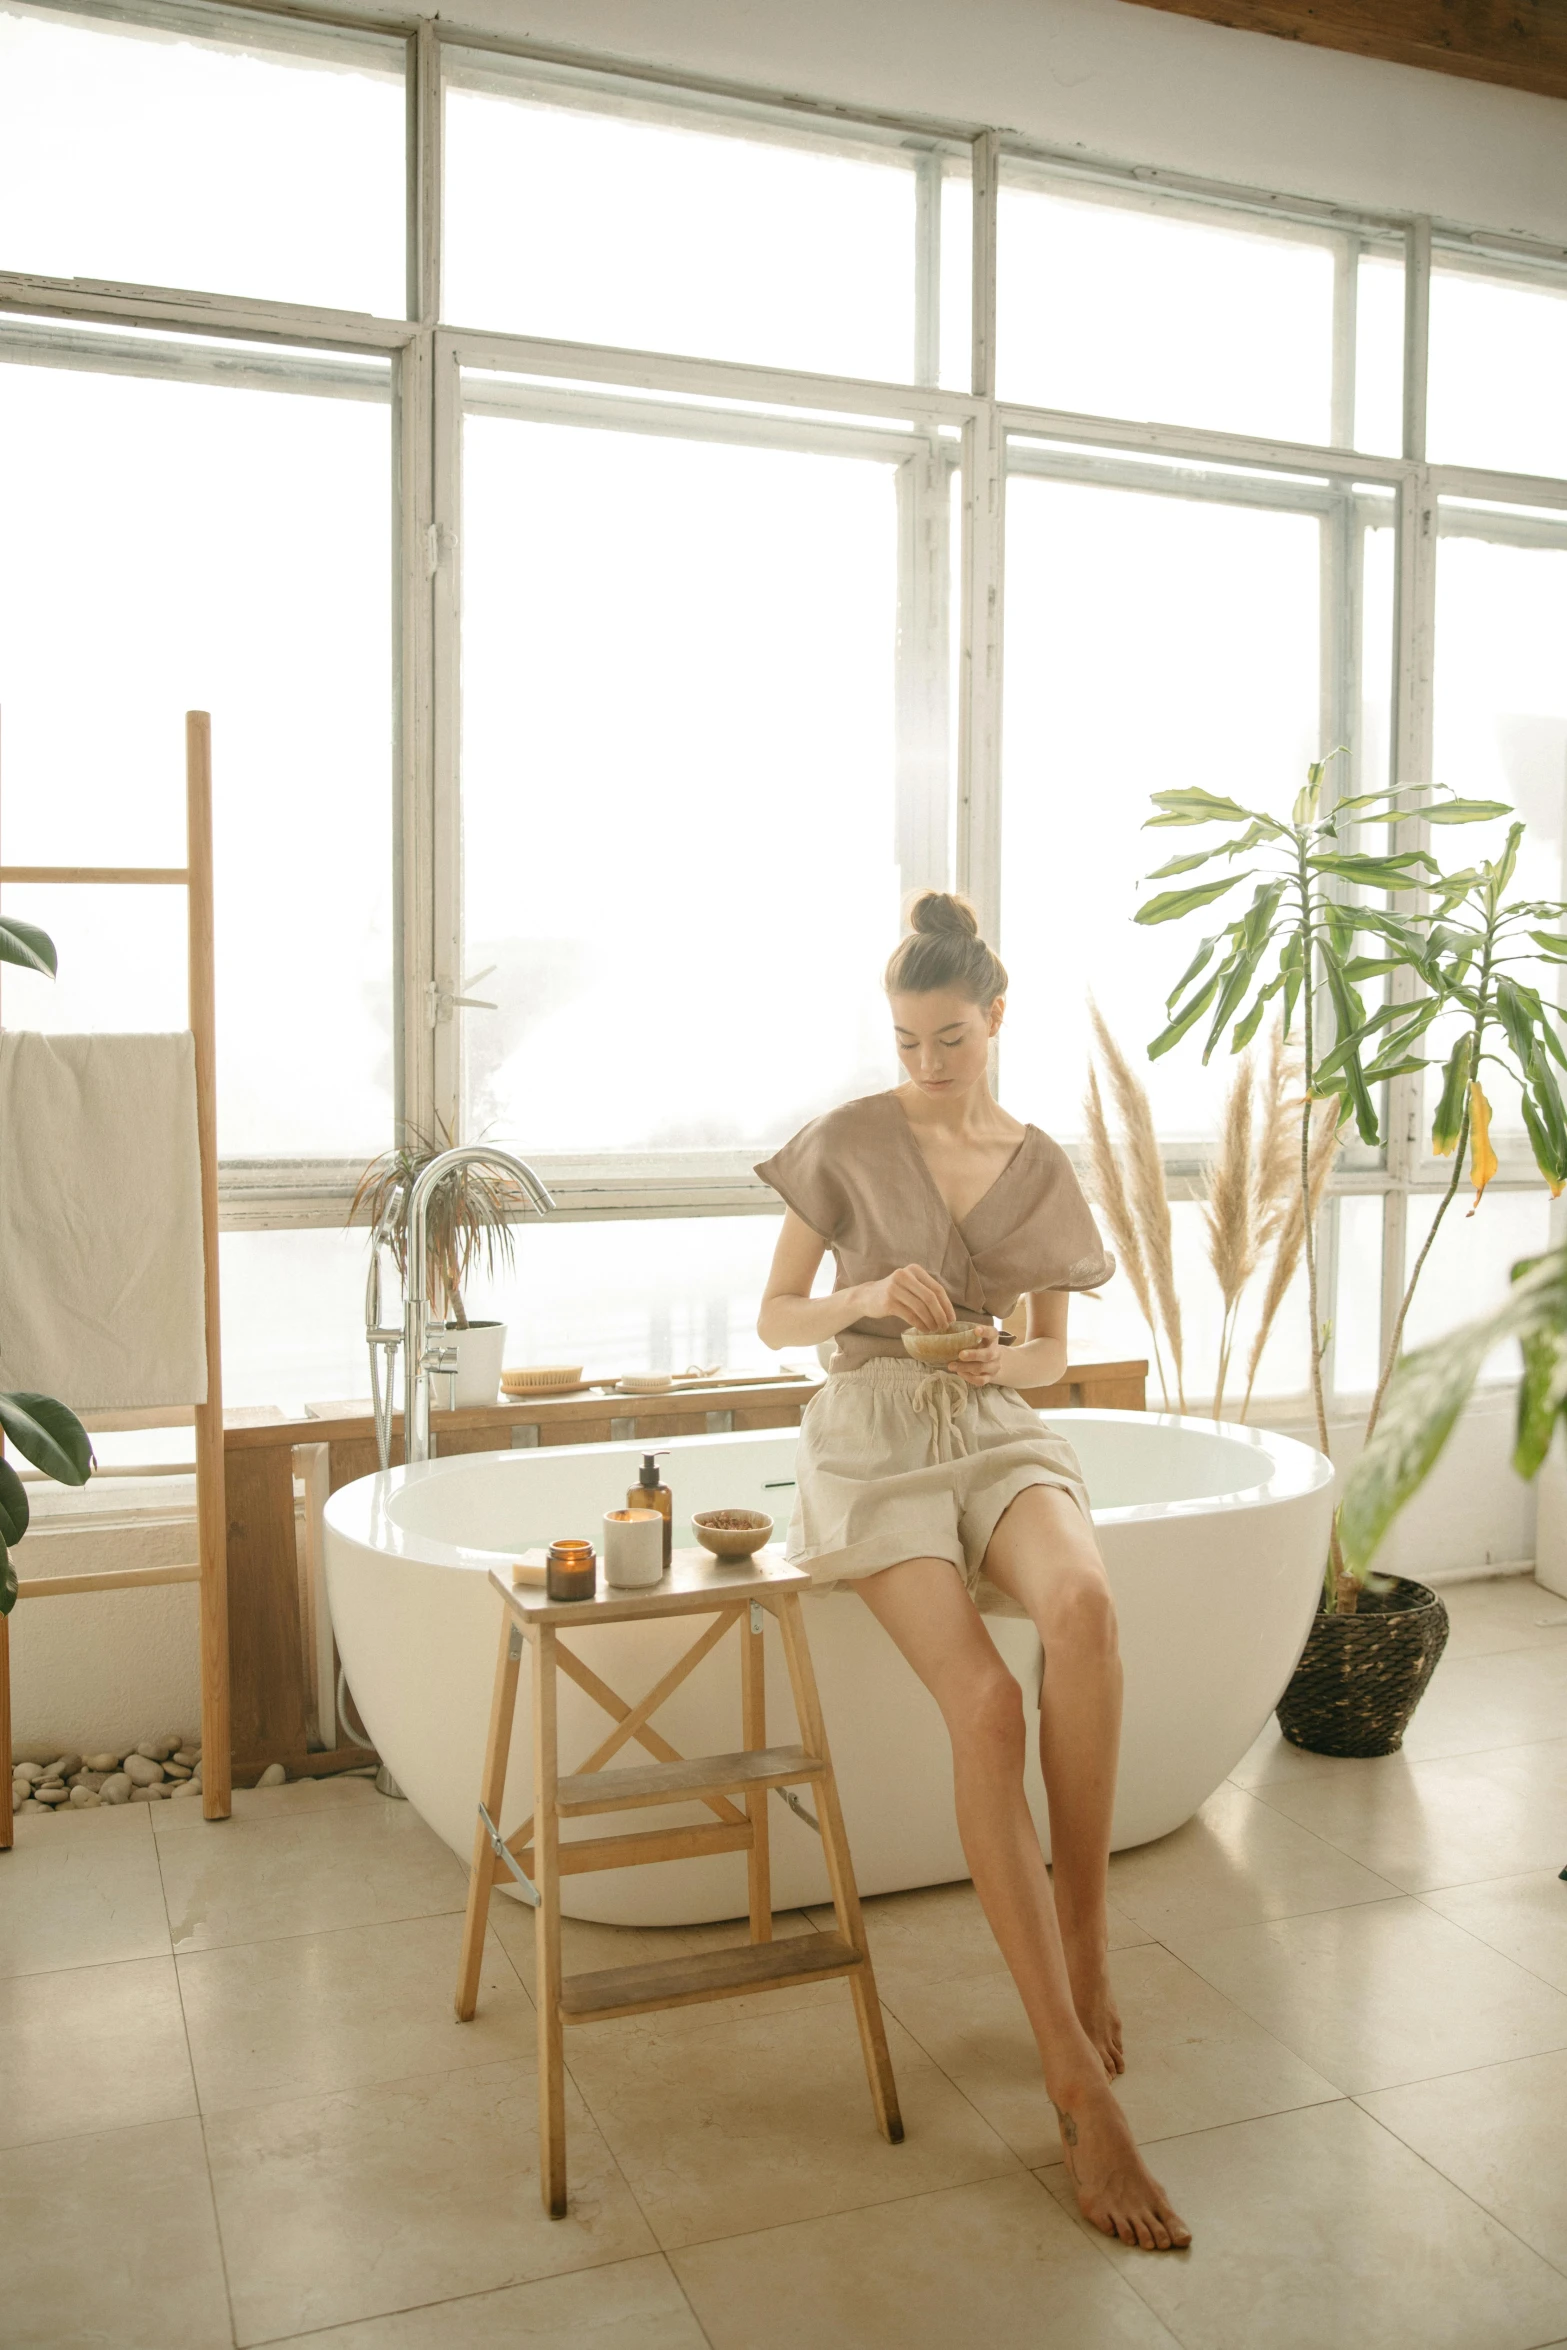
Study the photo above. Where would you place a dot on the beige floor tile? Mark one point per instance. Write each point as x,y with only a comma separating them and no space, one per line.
1453,1820
1475,1702
586,1946
1194,2059
317,2012
372,2200
995,2263
292,1802
82,1892
746,2114
1238,1861
340,1865
631,2305
108,2240
91,2048
1381,1993
1500,2133
1318,2228
1525,1918
1271,1756
941,1930
67,1827
1511,1611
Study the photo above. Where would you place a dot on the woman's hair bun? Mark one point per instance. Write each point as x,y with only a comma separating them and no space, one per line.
935,910
943,950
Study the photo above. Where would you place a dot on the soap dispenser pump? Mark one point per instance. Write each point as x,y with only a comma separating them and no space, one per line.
649,1493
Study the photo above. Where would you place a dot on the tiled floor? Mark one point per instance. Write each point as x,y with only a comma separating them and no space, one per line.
234,2108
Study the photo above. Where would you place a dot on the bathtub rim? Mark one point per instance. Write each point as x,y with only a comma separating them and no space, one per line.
360,1512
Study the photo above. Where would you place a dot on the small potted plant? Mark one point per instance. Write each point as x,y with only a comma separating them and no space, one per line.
469,1227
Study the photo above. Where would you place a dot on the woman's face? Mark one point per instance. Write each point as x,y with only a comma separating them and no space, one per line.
944,1041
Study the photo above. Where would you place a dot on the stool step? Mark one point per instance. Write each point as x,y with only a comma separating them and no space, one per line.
716,1974
672,1782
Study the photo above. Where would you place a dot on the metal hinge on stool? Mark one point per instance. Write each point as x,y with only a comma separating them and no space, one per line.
504,1853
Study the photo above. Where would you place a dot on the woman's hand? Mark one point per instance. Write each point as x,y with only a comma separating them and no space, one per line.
981,1365
910,1295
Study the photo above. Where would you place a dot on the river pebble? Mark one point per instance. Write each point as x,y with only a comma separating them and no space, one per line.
273,1776
115,1789
142,1770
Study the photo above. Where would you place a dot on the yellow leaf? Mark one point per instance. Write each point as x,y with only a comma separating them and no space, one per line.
1482,1159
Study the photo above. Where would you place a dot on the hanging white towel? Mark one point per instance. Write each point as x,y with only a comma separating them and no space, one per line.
101,1281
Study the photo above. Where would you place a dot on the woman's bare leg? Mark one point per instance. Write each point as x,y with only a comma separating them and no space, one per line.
1043,1555
925,1608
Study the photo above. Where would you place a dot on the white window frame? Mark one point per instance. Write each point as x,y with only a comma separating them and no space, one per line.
427,356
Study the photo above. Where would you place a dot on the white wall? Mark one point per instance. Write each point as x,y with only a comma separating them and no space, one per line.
1126,83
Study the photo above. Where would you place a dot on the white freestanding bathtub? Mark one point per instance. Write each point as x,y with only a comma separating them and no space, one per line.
1213,1536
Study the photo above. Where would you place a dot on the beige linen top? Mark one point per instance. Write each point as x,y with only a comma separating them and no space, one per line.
859,1178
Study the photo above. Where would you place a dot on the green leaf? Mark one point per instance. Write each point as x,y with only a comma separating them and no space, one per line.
1464,811
1514,1014
1197,807
1548,1156
1447,1124
1349,1078
1246,1027
1199,962
1171,904
1184,1019
1374,872
1551,944
48,1435
1540,1396
8,1592
1371,966
1292,971
1184,864
14,1510
25,943
1501,873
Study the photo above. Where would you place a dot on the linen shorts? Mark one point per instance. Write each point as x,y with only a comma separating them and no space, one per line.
896,1461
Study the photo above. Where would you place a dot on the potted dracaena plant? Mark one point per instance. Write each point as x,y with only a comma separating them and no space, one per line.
1375,1641
42,1430
468,1225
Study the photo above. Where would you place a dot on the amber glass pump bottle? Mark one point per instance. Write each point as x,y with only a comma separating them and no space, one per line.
649,1494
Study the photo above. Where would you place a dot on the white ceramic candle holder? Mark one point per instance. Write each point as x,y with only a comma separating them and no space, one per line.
633,1549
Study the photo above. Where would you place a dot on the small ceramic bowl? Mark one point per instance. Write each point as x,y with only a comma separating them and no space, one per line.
732,1534
939,1346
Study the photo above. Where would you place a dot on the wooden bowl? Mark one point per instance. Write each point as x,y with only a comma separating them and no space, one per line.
939,1346
732,1534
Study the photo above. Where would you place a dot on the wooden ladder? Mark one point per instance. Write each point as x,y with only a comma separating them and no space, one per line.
743,1595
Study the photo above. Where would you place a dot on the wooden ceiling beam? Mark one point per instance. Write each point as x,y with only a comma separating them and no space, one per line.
1521,44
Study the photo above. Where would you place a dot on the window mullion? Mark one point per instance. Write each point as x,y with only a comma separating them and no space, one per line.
442,909
922,671
1417,335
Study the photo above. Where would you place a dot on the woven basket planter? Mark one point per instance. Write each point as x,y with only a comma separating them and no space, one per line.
1361,1677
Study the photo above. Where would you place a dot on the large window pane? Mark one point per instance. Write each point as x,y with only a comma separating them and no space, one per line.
1151,642
1118,304
1470,1265
1497,392
678,784
221,545
1501,719
592,214
238,154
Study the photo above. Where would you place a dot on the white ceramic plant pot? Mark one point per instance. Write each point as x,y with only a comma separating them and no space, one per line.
481,1351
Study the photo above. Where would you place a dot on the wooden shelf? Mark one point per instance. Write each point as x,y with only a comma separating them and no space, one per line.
673,1782
715,1974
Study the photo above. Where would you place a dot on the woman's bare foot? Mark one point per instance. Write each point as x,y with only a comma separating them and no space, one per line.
1089,1974
1115,2191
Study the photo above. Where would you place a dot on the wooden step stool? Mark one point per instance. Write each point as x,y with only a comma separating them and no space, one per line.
739,1593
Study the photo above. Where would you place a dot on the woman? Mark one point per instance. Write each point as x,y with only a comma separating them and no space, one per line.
938,1494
